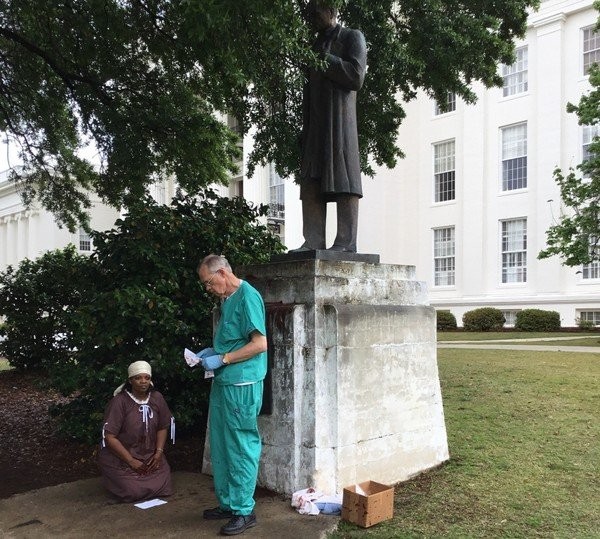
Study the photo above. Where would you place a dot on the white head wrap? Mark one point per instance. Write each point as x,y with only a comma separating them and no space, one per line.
137,367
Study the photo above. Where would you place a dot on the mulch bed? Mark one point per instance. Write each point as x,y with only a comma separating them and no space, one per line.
33,456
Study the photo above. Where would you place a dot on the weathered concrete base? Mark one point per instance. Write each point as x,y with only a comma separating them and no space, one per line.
353,372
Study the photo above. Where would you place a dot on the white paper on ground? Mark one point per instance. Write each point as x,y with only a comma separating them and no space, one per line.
150,503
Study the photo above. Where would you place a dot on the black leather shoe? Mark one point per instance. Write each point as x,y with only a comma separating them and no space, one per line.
239,524
216,514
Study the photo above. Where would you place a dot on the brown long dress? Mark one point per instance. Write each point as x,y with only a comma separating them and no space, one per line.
124,419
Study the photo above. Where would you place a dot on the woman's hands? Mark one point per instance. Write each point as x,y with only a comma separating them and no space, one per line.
138,466
155,461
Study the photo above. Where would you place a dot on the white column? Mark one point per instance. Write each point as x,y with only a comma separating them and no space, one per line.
546,145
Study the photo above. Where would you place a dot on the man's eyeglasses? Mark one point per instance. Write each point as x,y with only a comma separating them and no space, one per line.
208,284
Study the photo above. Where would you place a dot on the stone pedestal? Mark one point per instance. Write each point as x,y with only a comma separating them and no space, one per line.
353,391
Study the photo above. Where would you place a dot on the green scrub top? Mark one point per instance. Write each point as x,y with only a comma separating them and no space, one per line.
242,313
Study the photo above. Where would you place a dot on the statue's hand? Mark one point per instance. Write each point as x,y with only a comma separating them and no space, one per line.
326,47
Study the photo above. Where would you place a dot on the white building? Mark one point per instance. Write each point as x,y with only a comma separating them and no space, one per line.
29,232
470,204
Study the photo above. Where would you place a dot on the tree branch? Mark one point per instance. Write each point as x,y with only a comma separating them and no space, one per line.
67,77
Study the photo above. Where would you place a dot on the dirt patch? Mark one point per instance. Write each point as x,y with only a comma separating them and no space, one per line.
32,456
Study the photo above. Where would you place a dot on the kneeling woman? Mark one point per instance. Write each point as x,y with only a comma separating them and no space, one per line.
134,434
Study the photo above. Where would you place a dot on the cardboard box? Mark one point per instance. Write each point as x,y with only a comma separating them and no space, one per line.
368,503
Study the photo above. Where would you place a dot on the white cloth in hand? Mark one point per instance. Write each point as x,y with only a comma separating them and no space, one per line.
190,358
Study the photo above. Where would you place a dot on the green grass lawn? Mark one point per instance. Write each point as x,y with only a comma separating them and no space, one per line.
524,437
509,335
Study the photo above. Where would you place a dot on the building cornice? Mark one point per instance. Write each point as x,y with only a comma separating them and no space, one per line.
556,11
7,188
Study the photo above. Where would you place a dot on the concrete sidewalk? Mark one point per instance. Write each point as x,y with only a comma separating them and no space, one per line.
82,510
496,345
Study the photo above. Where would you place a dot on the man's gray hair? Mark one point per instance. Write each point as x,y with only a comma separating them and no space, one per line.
214,263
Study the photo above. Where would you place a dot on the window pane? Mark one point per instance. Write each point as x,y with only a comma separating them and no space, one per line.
276,195
589,132
510,318
514,157
514,174
443,256
450,104
591,271
85,241
444,174
515,75
514,251
591,316
591,48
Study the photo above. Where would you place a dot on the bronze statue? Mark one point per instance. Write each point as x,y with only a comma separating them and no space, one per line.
330,168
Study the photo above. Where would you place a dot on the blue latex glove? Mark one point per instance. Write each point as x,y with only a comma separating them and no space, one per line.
211,363
206,353
328,508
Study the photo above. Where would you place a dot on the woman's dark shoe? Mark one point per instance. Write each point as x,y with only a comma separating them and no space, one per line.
216,514
239,524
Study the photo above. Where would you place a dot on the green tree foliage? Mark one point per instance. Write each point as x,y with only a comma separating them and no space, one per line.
575,237
143,79
483,319
138,298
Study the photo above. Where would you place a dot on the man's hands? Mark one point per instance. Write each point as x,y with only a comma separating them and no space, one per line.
206,353
213,362
210,359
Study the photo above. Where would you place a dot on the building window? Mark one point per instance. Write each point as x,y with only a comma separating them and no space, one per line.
449,105
276,196
160,192
510,318
514,157
443,256
515,75
234,124
236,187
444,173
590,316
514,251
85,241
591,48
592,269
588,134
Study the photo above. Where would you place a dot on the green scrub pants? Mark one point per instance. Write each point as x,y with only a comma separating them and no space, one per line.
235,444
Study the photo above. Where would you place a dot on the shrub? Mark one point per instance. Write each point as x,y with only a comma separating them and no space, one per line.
36,300
445,320
483,319
584,324
537,320
145,301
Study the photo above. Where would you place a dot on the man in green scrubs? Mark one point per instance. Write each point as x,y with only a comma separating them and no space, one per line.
238,359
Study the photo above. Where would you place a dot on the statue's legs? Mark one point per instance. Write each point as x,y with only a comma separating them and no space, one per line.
314,215
347,224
